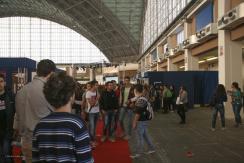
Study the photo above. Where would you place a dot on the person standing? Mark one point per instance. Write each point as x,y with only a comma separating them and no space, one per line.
181,102
109,107
84,104
172,99
140,123
31,106
92,98
167,94
7,110
126,111
236,102
217,103
61,136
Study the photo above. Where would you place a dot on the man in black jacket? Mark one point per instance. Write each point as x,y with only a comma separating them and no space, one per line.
109,107
7,110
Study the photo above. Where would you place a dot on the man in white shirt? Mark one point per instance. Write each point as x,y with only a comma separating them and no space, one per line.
92,98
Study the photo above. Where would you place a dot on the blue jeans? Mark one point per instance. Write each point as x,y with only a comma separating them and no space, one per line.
5,150
142,134
126,114
218,108
237,109
109,122
93,118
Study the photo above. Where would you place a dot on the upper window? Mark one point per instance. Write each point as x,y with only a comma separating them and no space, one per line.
154,55
42,39
180,37
204,16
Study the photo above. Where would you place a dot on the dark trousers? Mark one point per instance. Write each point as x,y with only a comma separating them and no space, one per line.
181,112
218,108
166,106
5,150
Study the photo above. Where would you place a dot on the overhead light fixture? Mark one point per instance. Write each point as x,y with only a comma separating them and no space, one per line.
212,58
202,61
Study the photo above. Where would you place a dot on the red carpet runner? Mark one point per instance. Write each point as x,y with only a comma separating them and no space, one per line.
108,152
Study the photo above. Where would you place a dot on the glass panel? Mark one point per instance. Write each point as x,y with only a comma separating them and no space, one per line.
41,39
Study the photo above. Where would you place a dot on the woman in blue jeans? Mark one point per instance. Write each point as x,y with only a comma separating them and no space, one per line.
236,102
217,103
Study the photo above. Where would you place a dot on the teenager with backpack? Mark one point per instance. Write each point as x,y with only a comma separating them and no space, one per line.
140,122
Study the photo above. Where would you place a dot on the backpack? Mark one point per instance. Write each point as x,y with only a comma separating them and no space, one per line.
149,109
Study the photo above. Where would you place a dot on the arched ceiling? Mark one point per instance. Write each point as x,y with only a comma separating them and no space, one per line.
114,26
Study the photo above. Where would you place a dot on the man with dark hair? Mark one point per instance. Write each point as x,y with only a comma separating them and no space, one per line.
92,98
140,123
109,106
126,113
61,136
31,106
7,109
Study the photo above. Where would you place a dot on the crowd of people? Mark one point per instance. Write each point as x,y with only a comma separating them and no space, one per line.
56,117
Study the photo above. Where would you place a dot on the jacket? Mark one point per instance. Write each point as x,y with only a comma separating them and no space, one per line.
122,94
108,101
31,106
9,113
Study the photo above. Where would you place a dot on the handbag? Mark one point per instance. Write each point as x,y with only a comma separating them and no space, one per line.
178,100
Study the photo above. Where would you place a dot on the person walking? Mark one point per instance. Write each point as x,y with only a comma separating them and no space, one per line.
181,102
140,123
217,102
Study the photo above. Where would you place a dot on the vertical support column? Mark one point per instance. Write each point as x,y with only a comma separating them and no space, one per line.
92,74
191,62
230,58
157,57
171,66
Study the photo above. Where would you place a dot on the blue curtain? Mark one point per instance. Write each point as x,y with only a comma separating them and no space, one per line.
204,16
200,85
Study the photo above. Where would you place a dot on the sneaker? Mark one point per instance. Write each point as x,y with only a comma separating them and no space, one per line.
150,151
103,138
135,156
112,139
212,129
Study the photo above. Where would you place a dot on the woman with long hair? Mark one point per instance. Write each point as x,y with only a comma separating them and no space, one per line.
181,102
217,103
236,102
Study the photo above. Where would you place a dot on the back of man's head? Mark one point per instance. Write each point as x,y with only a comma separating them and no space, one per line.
45,67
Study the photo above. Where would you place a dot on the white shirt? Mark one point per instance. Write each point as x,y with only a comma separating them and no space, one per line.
93,96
